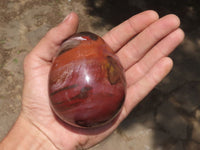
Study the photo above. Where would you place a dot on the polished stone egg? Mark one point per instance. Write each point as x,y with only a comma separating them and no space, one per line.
87,86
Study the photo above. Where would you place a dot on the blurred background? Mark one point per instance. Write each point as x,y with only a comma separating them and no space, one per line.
167,119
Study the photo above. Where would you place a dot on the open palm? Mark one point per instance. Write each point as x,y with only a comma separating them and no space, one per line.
142,44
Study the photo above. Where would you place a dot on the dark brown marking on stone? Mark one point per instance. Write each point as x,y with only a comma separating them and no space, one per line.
92,36
68,45
113,71
65,88
83,93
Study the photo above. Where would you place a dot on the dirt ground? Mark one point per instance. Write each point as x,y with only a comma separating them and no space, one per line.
167,119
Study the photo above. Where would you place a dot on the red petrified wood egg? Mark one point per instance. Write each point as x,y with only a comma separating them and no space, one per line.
86,82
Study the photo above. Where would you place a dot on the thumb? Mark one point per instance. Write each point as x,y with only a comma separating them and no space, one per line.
50,43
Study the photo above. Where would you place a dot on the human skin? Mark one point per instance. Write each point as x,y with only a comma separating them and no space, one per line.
142,43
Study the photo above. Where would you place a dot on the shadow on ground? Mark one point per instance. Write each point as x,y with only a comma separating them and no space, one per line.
115,11
175,103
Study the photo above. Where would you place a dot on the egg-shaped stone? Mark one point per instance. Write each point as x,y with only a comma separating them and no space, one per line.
87,86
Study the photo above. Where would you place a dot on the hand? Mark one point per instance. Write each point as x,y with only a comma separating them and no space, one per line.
142,44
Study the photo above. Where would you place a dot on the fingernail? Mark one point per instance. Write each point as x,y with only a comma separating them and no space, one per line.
67,17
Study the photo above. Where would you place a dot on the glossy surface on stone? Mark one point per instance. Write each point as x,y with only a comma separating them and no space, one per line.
86,82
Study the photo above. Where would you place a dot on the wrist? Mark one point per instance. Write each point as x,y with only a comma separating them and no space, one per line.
24,135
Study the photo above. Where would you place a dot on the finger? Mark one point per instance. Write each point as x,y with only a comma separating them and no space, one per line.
140,89
48,46
162,49
139,46
121,34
